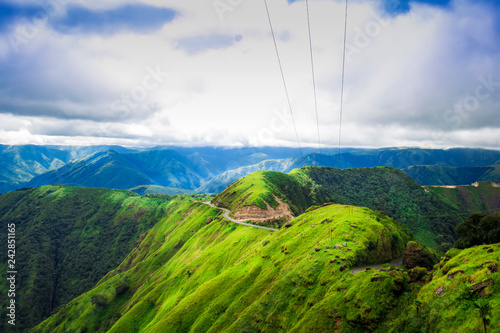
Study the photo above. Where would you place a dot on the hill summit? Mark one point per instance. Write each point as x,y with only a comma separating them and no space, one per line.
284,196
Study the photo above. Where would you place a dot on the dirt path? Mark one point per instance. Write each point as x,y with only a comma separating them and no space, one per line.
392,263
226,212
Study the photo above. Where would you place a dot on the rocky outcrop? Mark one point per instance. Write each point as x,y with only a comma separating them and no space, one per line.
480,286
417,255
440,291
257,214
417,274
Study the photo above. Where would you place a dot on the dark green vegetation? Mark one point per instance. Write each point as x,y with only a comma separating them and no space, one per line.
389,190
210,170
67,239
478,229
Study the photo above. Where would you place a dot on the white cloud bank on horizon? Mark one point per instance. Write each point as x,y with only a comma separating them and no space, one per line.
428,78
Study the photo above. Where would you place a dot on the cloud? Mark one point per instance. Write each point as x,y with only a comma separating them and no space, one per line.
411,78
138,18
198,44
398,7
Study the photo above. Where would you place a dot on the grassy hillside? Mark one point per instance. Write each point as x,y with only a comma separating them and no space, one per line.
67,239
455,309
380,188
484,198
195,272
261,188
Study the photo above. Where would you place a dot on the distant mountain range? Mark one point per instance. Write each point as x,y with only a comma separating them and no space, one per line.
210,170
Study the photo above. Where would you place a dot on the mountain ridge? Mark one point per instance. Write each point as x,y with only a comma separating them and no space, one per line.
210,170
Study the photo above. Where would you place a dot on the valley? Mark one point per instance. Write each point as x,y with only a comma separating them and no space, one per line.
307,250
196,270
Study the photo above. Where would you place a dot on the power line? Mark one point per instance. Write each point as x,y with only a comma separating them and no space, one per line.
283,77
342,89
314,80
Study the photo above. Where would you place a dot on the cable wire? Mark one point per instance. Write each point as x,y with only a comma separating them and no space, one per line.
342,88
314,81
283,77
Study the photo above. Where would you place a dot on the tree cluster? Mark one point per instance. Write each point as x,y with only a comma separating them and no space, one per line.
478,229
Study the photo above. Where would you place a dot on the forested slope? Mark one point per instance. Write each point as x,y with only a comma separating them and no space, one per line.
67,239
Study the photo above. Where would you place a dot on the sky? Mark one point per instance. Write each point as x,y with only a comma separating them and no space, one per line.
421,73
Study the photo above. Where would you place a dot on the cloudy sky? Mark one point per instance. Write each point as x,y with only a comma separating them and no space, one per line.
205,73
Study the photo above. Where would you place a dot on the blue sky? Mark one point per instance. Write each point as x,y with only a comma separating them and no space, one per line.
79,19
193,73
134,17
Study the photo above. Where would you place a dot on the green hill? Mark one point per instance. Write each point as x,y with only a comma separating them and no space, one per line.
187,275
196,272
67,239
112,261
380,188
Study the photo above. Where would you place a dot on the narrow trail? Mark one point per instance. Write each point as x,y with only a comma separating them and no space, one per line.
362,268
226,212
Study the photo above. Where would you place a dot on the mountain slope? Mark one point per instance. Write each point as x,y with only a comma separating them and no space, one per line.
212,169
125,171
447,303
443,175
401,158
446,167
105,169
194,272
481,197
380,188
188,275
19,164
67,239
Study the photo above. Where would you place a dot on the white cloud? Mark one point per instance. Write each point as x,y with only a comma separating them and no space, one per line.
401,83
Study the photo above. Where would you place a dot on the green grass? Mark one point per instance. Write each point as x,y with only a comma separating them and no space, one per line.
447,313
430,217
187,275
226,277
261,188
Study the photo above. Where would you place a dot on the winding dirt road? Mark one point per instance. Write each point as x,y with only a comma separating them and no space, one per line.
226,216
